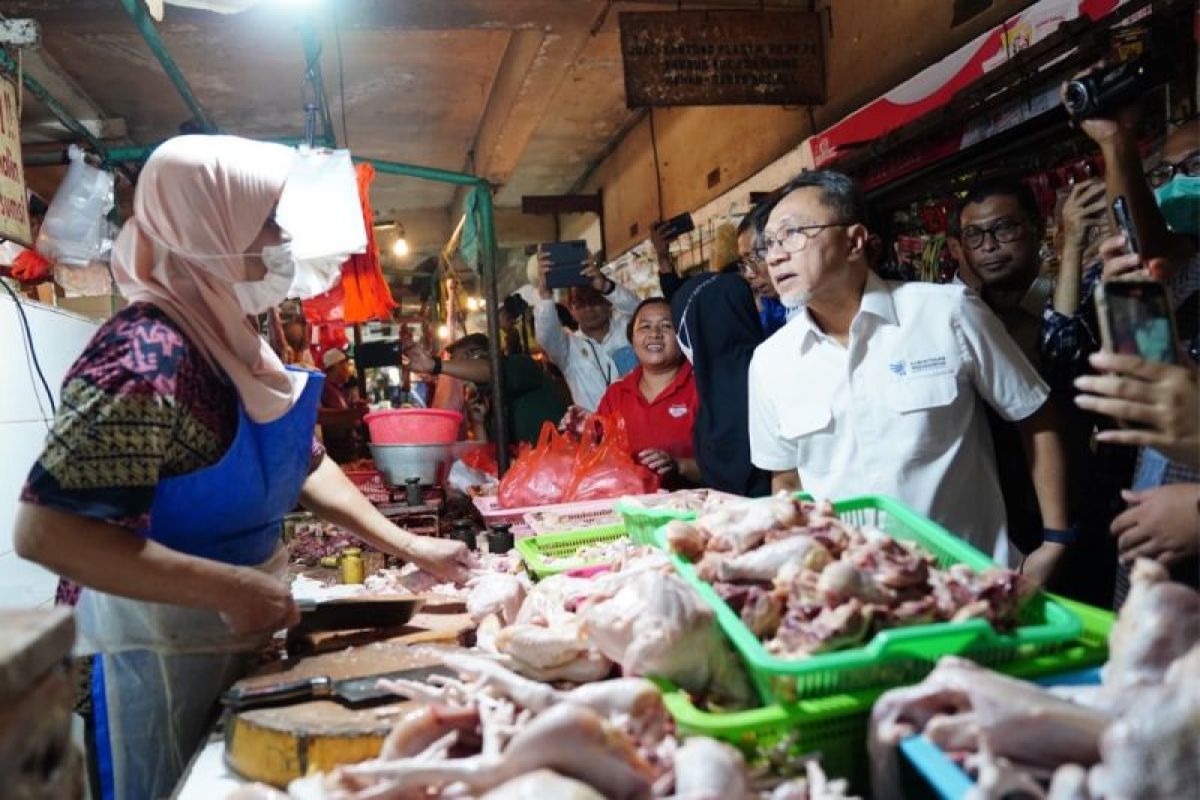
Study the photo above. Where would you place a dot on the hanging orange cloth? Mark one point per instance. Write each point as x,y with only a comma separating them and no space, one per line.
362,294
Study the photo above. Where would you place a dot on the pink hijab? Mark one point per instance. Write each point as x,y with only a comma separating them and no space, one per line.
200,202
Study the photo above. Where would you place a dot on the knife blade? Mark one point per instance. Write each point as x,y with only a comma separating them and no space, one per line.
352,692
352,613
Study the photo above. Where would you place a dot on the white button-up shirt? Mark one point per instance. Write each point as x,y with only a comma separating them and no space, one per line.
896,412
586,363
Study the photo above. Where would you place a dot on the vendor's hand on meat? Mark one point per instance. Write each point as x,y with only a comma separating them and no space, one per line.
658,461
263,604
1160,398
447,559
1162,523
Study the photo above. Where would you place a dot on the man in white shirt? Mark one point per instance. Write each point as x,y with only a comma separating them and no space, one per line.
874,388
598,354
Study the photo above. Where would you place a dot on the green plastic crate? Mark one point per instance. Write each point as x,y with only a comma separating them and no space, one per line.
835,726
900,655
535,549
641,523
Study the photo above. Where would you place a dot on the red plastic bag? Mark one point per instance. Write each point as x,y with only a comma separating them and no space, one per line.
483,459
541,476
605,467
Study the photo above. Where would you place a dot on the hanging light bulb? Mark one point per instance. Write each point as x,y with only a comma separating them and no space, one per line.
400,247
472,304
444,331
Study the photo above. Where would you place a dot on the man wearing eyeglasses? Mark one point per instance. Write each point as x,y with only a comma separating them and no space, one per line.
874,387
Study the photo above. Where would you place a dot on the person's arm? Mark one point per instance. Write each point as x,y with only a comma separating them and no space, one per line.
550,334
330,495
785,481
670,282
1083,210
1124,177
115,560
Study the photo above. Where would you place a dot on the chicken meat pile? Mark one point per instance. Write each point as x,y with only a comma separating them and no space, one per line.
636,616
490,733
1136,736
805,582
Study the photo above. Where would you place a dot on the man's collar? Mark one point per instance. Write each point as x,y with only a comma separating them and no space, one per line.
876,301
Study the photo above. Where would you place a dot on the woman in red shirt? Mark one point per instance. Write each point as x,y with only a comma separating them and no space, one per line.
658,400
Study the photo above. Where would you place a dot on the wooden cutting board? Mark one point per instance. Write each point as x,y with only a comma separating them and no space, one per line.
277,745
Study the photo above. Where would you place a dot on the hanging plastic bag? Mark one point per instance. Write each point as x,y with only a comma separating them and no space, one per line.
320,210
605,467
76,229
541,476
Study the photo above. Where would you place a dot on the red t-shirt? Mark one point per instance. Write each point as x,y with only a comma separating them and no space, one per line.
664,424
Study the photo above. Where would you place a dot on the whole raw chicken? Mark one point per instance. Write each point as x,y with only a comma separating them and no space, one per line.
652,623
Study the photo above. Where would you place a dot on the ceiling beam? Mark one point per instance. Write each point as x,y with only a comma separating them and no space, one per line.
42,67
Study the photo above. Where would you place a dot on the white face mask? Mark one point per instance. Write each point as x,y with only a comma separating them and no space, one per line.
258,296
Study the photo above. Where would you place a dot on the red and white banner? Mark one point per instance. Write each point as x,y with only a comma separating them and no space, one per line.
934,86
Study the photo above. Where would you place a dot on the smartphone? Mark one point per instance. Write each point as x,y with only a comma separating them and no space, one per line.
1120,210
1136,319
562,254
675,227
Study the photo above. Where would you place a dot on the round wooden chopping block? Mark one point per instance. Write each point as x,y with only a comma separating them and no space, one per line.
277,745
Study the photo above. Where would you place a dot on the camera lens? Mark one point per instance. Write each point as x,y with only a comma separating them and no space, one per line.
1075,98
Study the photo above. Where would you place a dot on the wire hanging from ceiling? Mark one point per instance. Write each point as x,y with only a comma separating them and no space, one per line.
337,38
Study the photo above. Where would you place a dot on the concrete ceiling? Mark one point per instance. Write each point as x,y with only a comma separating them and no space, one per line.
527,93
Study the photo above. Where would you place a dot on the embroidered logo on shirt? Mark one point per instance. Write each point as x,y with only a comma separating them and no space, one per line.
934,365
897,368
677,411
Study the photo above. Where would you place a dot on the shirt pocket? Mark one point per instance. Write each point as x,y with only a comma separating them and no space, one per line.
810,427
922,406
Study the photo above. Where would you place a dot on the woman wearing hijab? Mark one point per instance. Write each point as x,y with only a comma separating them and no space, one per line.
180,442
718,328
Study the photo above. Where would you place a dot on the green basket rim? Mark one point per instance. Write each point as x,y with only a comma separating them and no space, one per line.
531,552
892,644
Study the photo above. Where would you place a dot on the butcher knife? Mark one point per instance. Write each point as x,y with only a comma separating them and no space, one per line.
353,692
354,613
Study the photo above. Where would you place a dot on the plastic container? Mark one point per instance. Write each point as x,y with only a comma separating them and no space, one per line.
553,519
836,725
932,771
370,483
895,656
641,523
413,426
535,549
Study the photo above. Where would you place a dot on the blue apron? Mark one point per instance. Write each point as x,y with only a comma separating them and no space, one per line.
153,696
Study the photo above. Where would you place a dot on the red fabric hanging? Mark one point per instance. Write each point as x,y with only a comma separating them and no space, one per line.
362,294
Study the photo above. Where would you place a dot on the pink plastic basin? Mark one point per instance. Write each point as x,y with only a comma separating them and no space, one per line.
414,426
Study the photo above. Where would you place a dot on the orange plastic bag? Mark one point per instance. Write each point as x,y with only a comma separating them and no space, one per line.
604,466
540,476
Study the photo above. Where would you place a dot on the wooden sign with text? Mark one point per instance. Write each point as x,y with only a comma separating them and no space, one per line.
14,204
707,58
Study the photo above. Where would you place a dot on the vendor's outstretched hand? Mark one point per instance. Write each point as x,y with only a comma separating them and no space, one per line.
446,558
1040,565
1162,398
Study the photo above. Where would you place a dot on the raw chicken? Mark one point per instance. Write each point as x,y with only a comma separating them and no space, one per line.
1017,721
567,739
543,784
686,539
652,623
739,527
706,769
1158,624
496,593
764,563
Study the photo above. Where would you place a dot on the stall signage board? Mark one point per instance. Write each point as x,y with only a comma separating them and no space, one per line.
14,204
696,58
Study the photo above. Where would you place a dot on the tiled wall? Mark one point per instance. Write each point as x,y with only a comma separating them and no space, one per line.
58,338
